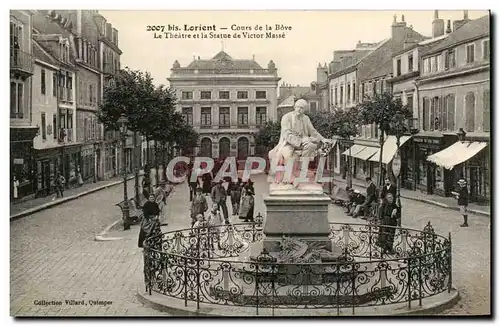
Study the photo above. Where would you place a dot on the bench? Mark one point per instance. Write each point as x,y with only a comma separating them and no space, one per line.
339,196
135,213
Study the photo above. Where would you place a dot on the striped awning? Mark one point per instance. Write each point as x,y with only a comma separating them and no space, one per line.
366,153
353,150
456,154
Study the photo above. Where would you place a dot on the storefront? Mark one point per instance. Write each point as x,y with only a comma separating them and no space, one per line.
88,163
389,150
110,168
71,164
431,178
22,167
464,159
48,163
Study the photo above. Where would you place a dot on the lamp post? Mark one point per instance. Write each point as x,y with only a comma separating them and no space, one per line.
398,127
122,121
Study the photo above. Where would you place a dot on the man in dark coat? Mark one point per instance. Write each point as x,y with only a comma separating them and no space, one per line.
462,195
219,195
389,187
371,196
150,223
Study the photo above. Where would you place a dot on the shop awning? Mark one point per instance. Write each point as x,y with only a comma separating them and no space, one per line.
366,153
389,150
353,150
456,154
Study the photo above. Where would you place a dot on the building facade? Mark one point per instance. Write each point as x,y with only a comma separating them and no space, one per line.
226,100
454,99
22,130
54,107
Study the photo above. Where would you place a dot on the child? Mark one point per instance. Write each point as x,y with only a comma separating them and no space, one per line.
199,221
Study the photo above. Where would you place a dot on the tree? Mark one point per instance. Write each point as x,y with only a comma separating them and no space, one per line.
381,110
324,122
344,125
268,135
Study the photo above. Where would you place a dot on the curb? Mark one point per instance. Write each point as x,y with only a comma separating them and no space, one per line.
174,307
435,203
65,199
101,235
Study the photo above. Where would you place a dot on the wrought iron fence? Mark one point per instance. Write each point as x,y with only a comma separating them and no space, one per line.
214,265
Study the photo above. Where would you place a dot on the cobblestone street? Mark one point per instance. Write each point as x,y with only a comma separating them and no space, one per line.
54,255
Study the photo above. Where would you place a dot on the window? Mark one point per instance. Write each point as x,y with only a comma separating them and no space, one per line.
470,53
206,117
425,113
433,64
382,86
16,100
355,94
260,95
450,111
374,85
44,127
427,65
449,59
398,67
336,100
486,50
242,95
242,116
341,95
54,125
486,110
224,117
81,91
410,63
261,115
206,95
470,111
91,93
54,84
42,82
187,113
435,123
224,95
362,91
187,95
348,99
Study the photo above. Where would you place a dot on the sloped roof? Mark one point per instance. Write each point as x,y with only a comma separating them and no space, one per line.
39,53
379,62
474,29
288,102
222,60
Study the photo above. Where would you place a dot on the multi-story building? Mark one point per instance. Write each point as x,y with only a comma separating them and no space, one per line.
54,107
288,94
406,69
454,111
22,130
109,52
226,100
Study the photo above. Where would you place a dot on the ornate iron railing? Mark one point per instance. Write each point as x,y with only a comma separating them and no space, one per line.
211,265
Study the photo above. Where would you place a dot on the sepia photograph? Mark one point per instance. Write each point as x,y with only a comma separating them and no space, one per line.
250,163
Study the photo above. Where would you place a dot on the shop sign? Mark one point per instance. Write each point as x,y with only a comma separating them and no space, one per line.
396,165
18,161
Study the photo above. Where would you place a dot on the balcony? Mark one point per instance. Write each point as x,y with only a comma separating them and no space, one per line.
65,135
21,63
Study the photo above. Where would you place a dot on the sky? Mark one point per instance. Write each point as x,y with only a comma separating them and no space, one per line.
313,37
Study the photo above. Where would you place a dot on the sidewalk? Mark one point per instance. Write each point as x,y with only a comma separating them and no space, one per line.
21,209
445,202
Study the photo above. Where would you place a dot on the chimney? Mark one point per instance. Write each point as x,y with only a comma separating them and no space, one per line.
321,74
437,25
448,27
459,23
398,30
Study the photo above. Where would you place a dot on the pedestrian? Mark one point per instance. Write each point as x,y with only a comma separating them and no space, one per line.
60,181
388,187
145,185
219,196
357,200
150,224
79,177
462,196
389,214
234,191
161,199
370,198
207,182
247,205
16,188
192,184
199,205
214,222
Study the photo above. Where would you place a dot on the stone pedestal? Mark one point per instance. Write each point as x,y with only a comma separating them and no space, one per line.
300,213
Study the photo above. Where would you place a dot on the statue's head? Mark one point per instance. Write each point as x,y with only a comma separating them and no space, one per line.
300,106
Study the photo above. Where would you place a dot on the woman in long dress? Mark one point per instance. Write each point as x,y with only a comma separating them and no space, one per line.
150,224
389,215
247,205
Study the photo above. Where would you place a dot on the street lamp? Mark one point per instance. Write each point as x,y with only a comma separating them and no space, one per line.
122,121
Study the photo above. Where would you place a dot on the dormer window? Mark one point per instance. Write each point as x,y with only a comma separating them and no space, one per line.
64,50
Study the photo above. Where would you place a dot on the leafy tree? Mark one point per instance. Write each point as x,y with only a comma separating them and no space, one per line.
324,122
268,135
383,110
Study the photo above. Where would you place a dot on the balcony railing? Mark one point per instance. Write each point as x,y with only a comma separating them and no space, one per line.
228,71
21,62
